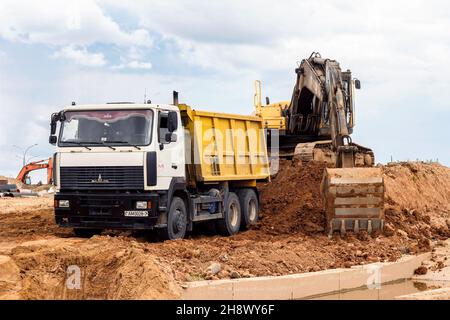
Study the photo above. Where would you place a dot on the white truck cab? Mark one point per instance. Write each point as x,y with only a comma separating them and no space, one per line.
122,135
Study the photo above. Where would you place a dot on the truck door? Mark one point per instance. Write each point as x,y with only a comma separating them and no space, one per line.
171,153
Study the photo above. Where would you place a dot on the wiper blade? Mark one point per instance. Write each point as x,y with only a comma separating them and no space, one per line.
125,142
78,143
103,143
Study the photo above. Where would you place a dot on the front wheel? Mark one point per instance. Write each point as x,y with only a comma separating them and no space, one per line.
231,221
176,221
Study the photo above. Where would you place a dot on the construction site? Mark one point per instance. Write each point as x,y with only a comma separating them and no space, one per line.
219,156
312,209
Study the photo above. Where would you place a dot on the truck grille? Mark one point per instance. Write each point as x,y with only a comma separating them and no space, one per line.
102,177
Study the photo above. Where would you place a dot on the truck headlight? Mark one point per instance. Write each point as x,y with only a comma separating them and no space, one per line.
141,204
64,203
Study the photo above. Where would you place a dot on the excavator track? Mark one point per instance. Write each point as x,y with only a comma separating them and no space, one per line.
322,151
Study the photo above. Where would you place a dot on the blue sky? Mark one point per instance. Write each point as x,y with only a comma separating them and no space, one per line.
54,52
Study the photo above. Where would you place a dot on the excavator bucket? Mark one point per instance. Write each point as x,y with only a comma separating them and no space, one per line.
354,199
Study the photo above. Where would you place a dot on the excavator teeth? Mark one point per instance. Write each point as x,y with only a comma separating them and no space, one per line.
353,199
356,226
343,230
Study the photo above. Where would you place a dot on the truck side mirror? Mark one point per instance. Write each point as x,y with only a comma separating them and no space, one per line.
171,137
172,121
52,139
357,84
53,121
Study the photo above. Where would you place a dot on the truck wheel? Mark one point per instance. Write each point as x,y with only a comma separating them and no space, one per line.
231,220
176,221
86,233
250,207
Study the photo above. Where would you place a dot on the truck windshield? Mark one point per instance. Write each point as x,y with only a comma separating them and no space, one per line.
108,127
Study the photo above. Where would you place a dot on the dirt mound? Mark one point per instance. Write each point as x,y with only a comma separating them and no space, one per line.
28,218
291,202
416,185
111,268
419,188
418,200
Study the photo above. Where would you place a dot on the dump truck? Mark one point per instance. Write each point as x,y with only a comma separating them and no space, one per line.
316,124
156,166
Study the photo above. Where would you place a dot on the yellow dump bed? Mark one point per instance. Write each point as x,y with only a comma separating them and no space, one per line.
224,147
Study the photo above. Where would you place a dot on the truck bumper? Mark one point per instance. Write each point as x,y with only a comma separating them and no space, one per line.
106,211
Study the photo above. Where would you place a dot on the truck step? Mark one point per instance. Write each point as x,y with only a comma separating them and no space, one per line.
207,216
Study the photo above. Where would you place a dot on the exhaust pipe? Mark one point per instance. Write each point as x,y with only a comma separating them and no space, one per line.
175,98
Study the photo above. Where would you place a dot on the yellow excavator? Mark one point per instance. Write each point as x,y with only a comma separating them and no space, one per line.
316,125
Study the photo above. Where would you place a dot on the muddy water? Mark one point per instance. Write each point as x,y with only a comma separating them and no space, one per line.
385,292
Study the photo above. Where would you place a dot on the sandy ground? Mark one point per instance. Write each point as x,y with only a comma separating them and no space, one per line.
290,238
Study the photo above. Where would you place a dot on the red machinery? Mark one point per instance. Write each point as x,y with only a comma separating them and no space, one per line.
37,165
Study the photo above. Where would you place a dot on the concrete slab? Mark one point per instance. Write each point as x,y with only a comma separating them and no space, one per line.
307,285
404,268
315,283
208,290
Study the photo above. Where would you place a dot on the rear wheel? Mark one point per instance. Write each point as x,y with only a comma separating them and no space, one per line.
86,233
249,206
231,221
176,221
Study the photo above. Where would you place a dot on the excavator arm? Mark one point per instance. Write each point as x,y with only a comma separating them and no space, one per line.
37,165
353,197
319,123
340,135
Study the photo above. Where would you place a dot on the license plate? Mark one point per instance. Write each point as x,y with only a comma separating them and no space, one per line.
136,213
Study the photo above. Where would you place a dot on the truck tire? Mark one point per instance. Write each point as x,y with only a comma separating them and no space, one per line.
231,221
176,221
86,233
249,207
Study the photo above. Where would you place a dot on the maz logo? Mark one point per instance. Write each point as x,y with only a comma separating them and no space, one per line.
100,180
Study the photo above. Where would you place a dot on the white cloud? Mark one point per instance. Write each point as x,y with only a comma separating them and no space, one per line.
81,56
385,43
3,57
55,22
134,65
133,59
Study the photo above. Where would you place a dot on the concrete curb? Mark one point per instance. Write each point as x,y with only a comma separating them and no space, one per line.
304,285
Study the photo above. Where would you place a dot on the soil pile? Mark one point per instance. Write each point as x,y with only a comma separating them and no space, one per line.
110,268
291,202
421,189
